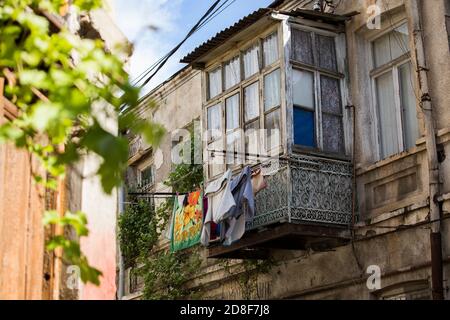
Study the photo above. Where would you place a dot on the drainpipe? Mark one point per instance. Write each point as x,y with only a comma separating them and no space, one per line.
121,289
433,163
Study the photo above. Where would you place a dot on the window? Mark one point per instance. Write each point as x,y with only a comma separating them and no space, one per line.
249,99
270,49
146,177
272,100
251,117
251,61
394,94
215,82
214,122
232,131
232,73
304,108
317,115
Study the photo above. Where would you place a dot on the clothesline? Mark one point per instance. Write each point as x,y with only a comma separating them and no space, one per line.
162,194
244,154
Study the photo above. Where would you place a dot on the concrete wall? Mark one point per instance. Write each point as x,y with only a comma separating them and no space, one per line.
101,209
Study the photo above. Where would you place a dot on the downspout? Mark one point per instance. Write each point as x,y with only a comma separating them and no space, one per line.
121,289
433,163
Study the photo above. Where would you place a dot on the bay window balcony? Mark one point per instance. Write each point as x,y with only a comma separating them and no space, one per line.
274,98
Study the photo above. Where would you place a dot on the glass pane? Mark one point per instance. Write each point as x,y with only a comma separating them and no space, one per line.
333,133
270,49
252,140
215,82
326,52
304,127
302,46
234,148
214,121
400,41
330,95
215,157
232,112
303,88
147,176
232,73
387,115
408,102
251,64
272,90
251,101
391,45
272,129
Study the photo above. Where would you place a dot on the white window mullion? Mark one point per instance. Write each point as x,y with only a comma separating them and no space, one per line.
398,109
318,110
375,118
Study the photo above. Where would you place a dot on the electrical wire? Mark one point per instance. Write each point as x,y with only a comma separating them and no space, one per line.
212,15
403,47
153,70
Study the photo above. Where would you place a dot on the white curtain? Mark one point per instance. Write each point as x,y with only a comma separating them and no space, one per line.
387,115
215,82
251,65
251,101
408,101
391,45
272,90
232,73
214,126
303,88
232,112
270,49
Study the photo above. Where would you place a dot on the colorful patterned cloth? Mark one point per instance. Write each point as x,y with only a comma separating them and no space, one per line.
187,221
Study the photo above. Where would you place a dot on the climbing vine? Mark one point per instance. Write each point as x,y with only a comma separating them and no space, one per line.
64,88
248,273
165,273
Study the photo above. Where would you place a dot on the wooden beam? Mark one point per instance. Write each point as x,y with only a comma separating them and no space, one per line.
304,233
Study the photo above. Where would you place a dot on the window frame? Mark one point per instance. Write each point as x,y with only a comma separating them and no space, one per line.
376,72
140,170
317,72
239,88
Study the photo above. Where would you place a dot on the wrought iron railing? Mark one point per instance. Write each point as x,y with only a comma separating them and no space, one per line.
306,189
135,147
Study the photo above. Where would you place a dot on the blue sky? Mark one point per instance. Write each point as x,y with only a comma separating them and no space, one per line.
173,19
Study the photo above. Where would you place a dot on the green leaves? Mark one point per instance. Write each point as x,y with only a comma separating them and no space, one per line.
62,86
71,247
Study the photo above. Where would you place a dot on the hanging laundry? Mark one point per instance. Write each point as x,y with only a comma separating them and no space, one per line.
169,232
220,201
187,221
258,181
243,210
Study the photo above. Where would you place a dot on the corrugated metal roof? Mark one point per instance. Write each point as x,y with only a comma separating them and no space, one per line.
225,34
317,15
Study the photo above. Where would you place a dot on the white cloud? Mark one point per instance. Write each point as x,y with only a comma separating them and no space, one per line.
134,17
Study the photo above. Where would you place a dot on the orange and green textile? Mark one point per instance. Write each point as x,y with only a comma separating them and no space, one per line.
187,221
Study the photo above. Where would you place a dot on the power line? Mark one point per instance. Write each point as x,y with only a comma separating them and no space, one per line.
161,62
212,15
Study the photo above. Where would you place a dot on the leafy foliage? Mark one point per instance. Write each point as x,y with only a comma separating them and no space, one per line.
65,87
71,248
165,273
137,233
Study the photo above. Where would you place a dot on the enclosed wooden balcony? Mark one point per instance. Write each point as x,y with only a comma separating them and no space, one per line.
307,204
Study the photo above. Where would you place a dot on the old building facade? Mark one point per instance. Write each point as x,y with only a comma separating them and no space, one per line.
27,269
355,107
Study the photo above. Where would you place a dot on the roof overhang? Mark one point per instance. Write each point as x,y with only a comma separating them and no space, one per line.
227,38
